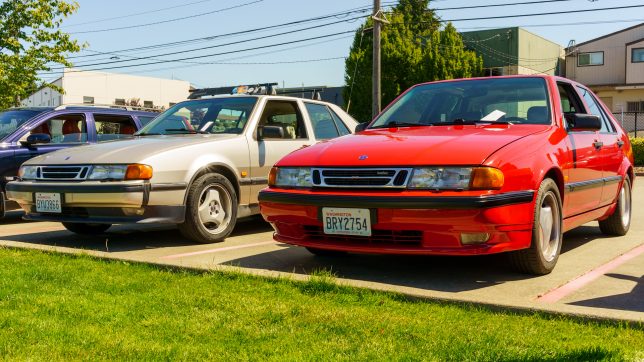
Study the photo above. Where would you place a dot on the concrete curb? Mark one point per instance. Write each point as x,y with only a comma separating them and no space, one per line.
496,307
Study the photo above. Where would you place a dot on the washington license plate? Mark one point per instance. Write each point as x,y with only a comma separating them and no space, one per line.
48,202
340,221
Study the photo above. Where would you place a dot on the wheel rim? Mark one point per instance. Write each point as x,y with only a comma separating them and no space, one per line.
215,208
625,204
549,226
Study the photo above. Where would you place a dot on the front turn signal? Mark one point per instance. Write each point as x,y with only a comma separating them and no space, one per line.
272,177
486,178
138,172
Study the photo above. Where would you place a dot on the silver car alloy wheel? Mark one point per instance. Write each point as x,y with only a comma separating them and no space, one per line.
625,204
549,226
215,208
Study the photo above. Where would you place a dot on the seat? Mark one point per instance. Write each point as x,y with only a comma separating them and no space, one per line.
127,129
43,128
537,114
71,132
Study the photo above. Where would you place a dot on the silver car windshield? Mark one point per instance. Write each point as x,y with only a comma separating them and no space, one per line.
11,120
491,100
203,116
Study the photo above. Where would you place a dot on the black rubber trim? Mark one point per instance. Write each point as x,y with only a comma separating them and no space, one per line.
397,202
102,215
178,186
589,184
97,188
254,181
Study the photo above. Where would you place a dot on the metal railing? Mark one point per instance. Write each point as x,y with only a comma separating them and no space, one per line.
632,122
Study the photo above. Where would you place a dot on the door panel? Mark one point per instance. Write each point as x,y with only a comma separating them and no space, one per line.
265,153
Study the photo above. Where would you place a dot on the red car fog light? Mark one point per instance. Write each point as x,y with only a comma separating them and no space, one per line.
474,238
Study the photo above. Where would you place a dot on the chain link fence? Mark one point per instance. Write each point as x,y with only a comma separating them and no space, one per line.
632,122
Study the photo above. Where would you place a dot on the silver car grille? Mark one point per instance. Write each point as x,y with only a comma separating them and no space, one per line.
361,177
62,173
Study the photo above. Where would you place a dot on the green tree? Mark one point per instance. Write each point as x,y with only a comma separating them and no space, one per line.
416,48
31,41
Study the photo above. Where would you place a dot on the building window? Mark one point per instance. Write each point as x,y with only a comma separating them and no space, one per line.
148,104
119,101
586,59
635,106
88,100
637,55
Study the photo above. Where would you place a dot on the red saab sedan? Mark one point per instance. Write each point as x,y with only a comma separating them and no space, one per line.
461,167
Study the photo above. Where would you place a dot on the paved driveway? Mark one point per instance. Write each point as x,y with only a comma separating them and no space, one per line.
596,276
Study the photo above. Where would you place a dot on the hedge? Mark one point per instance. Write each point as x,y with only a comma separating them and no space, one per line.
638,150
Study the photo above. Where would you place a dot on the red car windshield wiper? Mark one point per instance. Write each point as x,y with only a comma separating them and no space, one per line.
459,121
401,124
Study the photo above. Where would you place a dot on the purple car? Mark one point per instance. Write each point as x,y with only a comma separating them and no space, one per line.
29,132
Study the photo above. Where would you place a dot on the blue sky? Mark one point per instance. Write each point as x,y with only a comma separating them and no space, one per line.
98,15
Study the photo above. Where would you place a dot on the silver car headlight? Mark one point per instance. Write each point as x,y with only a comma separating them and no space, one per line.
456,178
107,172
290,177
28,172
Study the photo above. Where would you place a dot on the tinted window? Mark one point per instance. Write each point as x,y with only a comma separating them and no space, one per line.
594,108
113,127
518,100
216,115
569,99
324,127
65,128
285,115
11,120
338,122
145,120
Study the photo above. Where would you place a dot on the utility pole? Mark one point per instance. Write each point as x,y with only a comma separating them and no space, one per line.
377,24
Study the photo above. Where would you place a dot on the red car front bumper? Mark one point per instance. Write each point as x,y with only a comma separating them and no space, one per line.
405,225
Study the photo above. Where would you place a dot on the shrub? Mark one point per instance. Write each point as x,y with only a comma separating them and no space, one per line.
638,150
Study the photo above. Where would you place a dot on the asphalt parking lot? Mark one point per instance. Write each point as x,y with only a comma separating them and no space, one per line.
596,276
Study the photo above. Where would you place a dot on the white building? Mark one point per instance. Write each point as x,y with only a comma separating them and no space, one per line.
88,87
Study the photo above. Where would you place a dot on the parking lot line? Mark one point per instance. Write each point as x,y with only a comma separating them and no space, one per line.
559,293
218,250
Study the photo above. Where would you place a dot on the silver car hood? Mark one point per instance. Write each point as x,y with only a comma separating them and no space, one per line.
125,151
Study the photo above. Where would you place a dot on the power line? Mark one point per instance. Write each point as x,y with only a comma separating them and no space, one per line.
241,32
219,45
169,20
565,24
497,5
541,14
135,14
215,54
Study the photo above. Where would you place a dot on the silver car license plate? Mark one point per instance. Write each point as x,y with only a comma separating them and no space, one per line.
48,202
341,221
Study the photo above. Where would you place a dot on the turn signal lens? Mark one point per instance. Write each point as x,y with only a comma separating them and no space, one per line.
272,176
138,172
486,178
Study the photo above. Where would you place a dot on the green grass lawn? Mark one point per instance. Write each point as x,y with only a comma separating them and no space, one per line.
56,307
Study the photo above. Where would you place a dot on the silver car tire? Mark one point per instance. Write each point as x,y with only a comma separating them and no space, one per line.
211,209
547,233
618,223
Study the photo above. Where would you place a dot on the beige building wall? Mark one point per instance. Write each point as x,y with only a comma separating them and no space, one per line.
105,88
616,99
538,55
634,71
614,69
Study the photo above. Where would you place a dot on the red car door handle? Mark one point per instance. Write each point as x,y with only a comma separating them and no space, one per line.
598,144
620,143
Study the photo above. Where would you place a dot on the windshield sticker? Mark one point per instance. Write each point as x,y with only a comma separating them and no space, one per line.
493,116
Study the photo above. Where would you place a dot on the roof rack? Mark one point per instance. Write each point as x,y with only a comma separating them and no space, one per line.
114,106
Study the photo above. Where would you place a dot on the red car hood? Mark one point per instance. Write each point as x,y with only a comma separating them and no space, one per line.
413,146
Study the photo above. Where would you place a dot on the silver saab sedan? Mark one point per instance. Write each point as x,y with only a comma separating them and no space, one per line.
200,165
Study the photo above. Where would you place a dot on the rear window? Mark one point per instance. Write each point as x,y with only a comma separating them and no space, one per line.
516,100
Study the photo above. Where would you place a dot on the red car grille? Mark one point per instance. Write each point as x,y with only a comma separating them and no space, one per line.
377,238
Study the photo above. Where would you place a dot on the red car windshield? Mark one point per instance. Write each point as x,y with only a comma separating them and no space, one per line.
513,100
